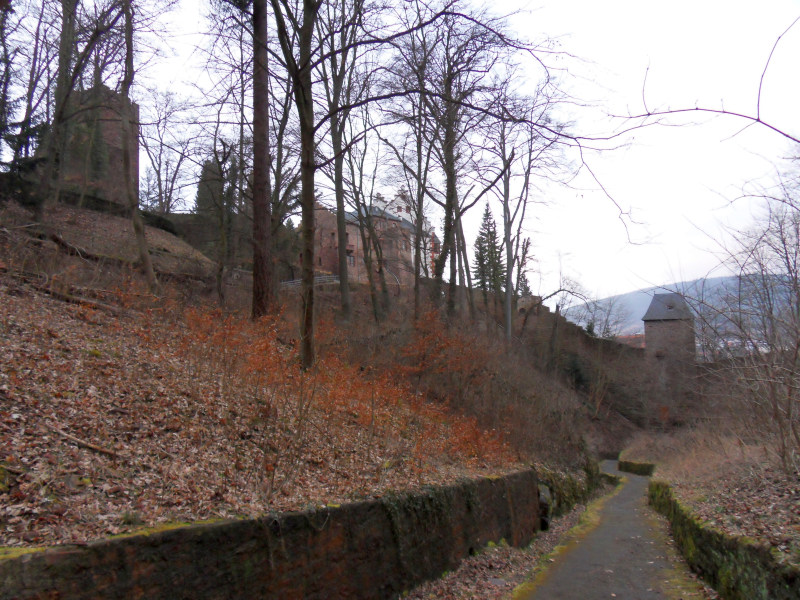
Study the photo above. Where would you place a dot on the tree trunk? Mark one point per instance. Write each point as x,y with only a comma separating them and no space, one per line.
363,228
451,202
22,147
127,138
48,190
305,108
507,245
341,224
462,247
263,284
300,72
376,245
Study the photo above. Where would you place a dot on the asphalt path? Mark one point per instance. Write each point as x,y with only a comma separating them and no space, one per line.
622,551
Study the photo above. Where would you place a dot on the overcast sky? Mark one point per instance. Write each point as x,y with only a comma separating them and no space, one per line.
677,182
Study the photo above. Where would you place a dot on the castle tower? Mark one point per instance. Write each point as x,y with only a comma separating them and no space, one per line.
670,355
669,329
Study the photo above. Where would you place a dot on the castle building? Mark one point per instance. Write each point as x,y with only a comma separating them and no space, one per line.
395,231
669,329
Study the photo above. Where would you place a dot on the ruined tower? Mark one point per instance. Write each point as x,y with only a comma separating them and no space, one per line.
92,161
670,355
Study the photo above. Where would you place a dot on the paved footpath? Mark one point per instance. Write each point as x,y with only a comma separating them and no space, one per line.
623,552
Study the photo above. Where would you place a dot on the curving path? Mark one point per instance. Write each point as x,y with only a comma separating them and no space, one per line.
624,552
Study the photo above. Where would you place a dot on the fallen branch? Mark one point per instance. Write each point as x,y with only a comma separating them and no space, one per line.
70,299
73,250
85,444
106,451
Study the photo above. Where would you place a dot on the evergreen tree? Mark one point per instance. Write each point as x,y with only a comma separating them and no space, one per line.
209,190
488,271
524,286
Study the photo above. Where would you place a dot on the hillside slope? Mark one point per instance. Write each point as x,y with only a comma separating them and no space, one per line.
120,410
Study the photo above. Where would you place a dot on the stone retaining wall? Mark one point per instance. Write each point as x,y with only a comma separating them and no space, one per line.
372,549
644,469
738,568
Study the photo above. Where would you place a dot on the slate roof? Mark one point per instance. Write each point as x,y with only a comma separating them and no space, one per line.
667,307
352,217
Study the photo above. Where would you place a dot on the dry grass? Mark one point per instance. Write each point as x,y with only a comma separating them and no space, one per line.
736,485
694,453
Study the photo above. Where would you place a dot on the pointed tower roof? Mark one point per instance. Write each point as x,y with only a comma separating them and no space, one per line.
668,307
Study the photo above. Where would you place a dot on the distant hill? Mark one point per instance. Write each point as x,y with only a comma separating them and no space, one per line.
630,308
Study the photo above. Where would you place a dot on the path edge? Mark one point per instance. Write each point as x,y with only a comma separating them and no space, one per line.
739,568
587,521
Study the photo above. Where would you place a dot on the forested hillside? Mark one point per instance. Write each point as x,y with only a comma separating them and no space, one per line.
121,409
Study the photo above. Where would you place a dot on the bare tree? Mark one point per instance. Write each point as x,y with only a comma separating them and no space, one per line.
258,72
263,284
517,155
756,326
39,25
8,26
412,151
471,44
338,28
362,161
168,144
455,67
467,52
601,318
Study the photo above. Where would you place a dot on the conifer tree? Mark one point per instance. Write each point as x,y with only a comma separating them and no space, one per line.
209,190
524,287
488,270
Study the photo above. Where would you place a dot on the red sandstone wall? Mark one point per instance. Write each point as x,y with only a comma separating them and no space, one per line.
374,549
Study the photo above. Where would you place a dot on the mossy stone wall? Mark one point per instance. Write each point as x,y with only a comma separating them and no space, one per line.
644,469
738,568
373,549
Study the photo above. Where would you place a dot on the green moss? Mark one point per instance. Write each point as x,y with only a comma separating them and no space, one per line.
567,490
405,511
738,567
131,518
675,582
147,531
9,552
